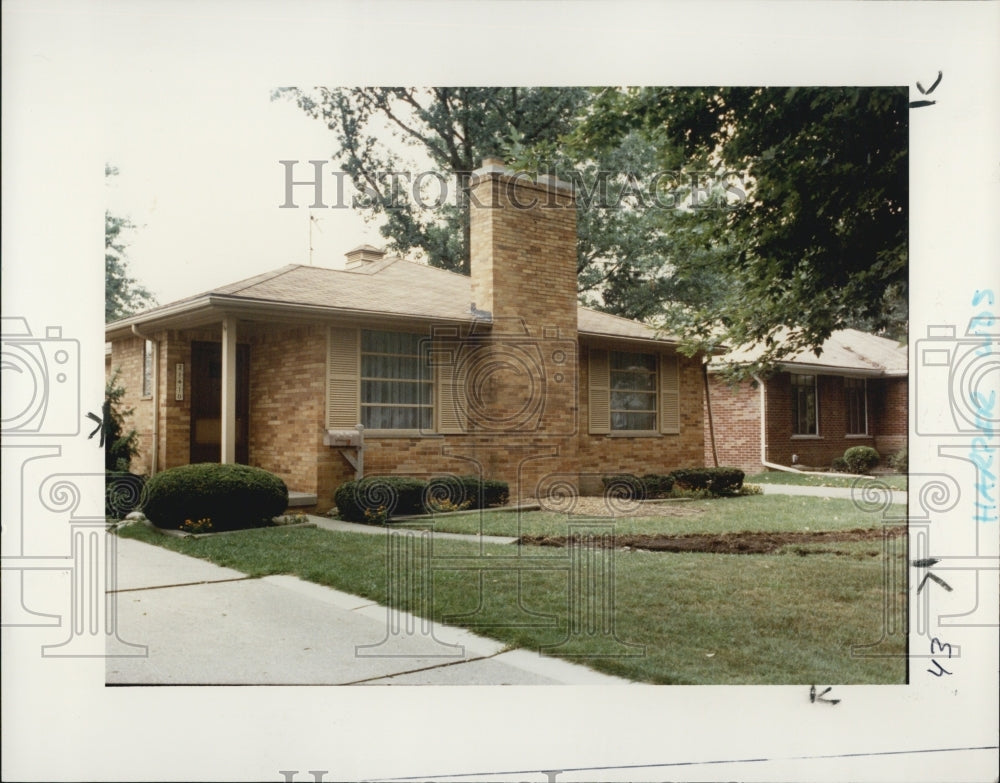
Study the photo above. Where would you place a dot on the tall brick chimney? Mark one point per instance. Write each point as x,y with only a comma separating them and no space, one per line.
523,247
525,377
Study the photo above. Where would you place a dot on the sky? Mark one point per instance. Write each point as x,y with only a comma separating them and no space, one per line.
177,96
199,176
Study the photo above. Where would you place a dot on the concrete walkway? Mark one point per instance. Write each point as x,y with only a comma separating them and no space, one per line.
208,625
340,525
848,493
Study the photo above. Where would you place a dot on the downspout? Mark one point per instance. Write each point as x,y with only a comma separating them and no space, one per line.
153,461
708,406
763,433
763,443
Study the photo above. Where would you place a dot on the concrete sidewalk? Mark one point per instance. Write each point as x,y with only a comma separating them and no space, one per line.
208,625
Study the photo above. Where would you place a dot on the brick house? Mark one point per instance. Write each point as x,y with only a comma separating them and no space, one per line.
501,374
812,408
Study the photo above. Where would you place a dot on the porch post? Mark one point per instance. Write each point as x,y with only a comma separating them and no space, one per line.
228,390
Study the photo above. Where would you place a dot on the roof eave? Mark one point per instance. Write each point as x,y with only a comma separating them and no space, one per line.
210,308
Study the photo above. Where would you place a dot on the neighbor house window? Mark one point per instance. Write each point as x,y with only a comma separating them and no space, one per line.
633,391
147,368
396,387
804,405
857,406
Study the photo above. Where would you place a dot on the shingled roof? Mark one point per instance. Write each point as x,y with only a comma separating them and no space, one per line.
391,287
847,351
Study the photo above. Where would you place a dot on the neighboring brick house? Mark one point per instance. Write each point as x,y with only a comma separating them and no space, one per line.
502,374
812,408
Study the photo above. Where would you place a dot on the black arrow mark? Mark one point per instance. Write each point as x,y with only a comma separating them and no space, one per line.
814,697
926,562
930,89
99,428
937,579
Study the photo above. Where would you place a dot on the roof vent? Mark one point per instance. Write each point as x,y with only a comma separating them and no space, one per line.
362,255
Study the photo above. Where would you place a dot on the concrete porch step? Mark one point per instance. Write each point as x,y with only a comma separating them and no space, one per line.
298,499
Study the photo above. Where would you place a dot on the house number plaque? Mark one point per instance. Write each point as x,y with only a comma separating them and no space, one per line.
179,382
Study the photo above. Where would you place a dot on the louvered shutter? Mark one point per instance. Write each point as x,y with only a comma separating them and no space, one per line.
670,395
343,381
599,392
450,415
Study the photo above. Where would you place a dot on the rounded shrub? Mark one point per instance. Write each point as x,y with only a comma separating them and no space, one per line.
839,465
861,459
210,497
900,460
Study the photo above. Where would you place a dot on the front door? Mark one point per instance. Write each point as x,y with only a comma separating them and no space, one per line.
206,402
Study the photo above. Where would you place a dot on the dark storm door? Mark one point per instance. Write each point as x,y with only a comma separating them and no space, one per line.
206,402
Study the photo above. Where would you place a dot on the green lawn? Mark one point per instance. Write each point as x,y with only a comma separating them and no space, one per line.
687,618
766,513
894,481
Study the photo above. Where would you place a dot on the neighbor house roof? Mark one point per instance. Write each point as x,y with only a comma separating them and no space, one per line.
847,352
390,288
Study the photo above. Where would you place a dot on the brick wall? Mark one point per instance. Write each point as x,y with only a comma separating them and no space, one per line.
288,402
889,398
736,418
127,360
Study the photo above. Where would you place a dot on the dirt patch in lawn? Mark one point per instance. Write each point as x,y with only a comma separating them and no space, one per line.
748,543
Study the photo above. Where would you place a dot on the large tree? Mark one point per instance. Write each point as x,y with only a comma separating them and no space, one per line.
818,243
123,295
623,247
452,129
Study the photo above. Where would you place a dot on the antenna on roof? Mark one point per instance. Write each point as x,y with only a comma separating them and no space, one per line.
312,219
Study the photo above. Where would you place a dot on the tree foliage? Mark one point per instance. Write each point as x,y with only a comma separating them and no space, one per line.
121,442
123,295
820,241
453,128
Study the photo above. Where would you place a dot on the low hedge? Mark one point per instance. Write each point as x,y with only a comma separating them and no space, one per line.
716,481
211,497
375,499
646,487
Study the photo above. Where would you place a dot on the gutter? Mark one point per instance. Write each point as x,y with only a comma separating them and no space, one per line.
155,383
